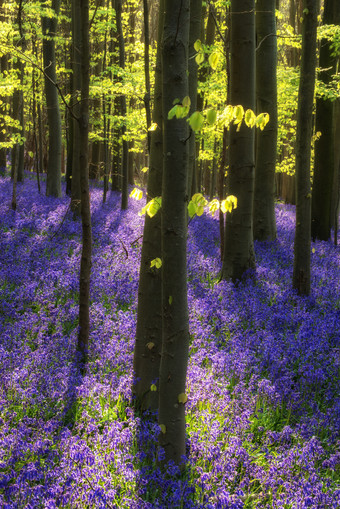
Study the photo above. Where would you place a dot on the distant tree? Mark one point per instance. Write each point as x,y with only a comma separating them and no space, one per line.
266,141
49,27
302,242
76,87
238,245
325,124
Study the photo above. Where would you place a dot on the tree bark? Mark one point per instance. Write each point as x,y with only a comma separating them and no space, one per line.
175,337
238,248
302,243
49,28
76,83
124,173
85,265
146,360
266,141
324,146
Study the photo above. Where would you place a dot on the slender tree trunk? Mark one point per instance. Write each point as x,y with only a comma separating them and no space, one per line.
301,273
194,34
147,352
85,266
175,337
49,27
76,82
147,70
238,249
324,146
266,141
124,202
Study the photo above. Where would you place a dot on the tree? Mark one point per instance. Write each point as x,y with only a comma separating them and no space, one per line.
266,140
148,345
175,333
86,254
238,248
76,87
124,201
324,123
301,273
49,28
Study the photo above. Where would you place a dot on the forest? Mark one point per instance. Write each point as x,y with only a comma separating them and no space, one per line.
169,255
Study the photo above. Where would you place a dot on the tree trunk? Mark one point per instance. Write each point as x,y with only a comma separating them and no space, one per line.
147,70
194,34
76,83
238,248
85,266
324,146
175,337
301,273
266,141
49,28
124,202
146,360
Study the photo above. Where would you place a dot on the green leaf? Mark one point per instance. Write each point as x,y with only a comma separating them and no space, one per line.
186,101
196,121
145,169
172,112
192,208
153,388
214,205
182,398
199,58
136,194
211,116
153,127
213,60
229,203
150,345
198,45
157,262
250,118
238,114
170,299
163,428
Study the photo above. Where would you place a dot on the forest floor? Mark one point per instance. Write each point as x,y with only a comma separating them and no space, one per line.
263,415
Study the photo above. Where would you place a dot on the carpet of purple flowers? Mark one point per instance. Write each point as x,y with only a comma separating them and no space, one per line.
263,416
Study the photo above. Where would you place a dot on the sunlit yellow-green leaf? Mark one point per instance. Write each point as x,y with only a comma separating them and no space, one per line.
250,118
136,194
229,204
182,398
199,58
186,101
192,208
196,121
170,299
153,126
153,388
211,116
213,60
163,428
238,114
172,112
198,45
150,345
157,262
214,205
145,169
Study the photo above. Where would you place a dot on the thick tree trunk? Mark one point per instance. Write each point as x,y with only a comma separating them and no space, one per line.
175,337
301,273
85,266
266,141
324,146
148,345
238,248
49,28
